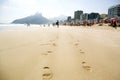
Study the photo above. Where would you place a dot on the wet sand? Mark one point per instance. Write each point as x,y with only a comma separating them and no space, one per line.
65,53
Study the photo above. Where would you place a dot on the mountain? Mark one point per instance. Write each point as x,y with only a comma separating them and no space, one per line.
33,19
60,18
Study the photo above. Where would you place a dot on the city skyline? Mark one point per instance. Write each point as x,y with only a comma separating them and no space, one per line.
13,9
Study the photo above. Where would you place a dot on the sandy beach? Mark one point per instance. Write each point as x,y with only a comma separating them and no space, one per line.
65,53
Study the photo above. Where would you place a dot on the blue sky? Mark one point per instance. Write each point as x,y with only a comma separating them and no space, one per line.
13,9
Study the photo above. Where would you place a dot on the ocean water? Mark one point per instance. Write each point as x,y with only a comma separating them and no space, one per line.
17,26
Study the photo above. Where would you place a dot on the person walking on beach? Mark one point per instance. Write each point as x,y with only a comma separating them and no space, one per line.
28,24
57,23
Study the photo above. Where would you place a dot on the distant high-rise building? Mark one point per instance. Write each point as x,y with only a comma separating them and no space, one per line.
114,11
77,14
93,17
85,17
69,19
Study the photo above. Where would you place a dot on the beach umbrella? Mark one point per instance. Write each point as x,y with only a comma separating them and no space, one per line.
113,18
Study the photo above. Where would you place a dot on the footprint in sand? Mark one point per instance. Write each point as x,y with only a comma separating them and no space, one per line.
46,68
76,44
49,51
83,62
54,44
82,52
86,67
47,73
80,49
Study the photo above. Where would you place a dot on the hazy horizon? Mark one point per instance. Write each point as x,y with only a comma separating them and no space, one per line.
14,9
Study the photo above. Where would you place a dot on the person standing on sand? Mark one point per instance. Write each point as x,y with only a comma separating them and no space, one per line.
57,23
114,24
28,24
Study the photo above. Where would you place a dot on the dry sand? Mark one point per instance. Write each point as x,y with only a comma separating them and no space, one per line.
65,53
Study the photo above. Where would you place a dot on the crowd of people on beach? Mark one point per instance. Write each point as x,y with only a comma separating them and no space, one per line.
112,23
44,25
